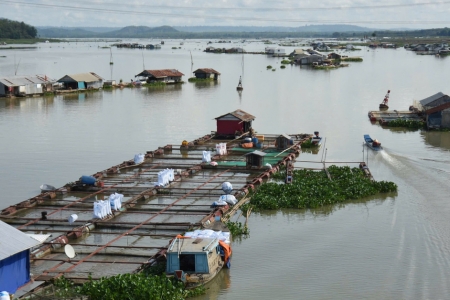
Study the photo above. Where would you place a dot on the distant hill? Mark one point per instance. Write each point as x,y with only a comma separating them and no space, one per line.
306,28
89,32
16,30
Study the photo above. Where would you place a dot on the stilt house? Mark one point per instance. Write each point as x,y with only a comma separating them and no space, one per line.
82,81
166,75
14,258
231,123
205,73
25,85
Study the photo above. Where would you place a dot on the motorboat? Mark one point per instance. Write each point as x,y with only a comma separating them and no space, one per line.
372,144
198,256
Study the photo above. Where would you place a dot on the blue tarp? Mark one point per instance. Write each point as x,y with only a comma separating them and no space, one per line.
15,271
81,85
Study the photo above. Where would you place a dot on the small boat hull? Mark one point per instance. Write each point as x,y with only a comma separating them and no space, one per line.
239,88
370,143
383,106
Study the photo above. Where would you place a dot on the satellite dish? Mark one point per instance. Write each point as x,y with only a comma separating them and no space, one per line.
70,252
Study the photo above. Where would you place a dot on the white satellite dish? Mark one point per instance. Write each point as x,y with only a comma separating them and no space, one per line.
70,252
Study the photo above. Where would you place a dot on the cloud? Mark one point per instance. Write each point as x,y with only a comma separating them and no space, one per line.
102,13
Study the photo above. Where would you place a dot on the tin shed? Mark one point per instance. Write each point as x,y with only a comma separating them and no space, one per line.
206,73
25,85
165,75
82,81
14,258
283,142
255,159
236,121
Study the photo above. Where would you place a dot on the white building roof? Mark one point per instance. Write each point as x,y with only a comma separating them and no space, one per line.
14,241
25,80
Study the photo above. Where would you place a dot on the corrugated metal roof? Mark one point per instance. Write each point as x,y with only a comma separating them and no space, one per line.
241,115
39,237
430,99
86,77
14,241
161,73
256,152
207,71
25,80
286,136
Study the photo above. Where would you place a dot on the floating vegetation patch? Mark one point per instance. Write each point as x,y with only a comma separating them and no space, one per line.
269,67
138,286
312,189
237,229
285,61
174,47
354,59
307,144
407,123
153,84
195,79
283,67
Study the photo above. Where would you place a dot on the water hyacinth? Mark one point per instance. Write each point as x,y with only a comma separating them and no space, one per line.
312,189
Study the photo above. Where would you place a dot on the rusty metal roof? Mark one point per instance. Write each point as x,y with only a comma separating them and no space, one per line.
207,71
25,80
240,114
161,73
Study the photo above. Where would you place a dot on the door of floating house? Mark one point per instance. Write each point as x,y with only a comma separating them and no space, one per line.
283,142
255,159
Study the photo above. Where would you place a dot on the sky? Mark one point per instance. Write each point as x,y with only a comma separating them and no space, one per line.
381,14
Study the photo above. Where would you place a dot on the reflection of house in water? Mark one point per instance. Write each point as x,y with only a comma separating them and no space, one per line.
436,138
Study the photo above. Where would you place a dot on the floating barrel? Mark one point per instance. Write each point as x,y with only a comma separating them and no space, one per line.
90,180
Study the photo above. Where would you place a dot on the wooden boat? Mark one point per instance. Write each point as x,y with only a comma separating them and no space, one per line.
372,144
198,257
47,188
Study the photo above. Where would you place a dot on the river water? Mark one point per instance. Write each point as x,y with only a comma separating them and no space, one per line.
389,246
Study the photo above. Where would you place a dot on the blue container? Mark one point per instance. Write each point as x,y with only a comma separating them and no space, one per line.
258,146
255,140
90,180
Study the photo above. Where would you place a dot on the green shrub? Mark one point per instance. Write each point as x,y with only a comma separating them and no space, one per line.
269,67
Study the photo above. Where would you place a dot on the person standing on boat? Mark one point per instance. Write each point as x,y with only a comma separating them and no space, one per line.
386,98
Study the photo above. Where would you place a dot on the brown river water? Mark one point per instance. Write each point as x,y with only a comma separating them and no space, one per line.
392,246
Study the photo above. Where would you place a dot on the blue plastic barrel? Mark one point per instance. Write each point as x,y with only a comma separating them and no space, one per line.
258,146
90,180
255,140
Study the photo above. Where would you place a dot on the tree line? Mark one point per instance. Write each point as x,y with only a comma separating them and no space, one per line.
16,30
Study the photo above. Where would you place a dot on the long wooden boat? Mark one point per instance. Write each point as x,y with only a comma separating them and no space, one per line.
198,256
372,144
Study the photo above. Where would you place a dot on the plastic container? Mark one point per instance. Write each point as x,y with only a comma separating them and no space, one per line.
90,180
258,146
260,137
72,218
248,140
255,140
4,296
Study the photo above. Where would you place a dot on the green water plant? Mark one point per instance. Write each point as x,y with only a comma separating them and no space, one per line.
237,229
285,61
283,67
414,124
312,189
269,67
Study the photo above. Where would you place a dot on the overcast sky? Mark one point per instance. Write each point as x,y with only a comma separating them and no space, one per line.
119,13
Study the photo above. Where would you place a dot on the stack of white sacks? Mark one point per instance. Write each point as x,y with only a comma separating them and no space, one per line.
139,158
115,200
206,156
102,209
165,177
224,200
227,187
221,148
209,234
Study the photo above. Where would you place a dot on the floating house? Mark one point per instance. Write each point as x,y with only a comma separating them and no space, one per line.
270,50
255,159
283,142
205,73
25,85
14,258
236,121
279,52
437,110
166,75
82,81
309,60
